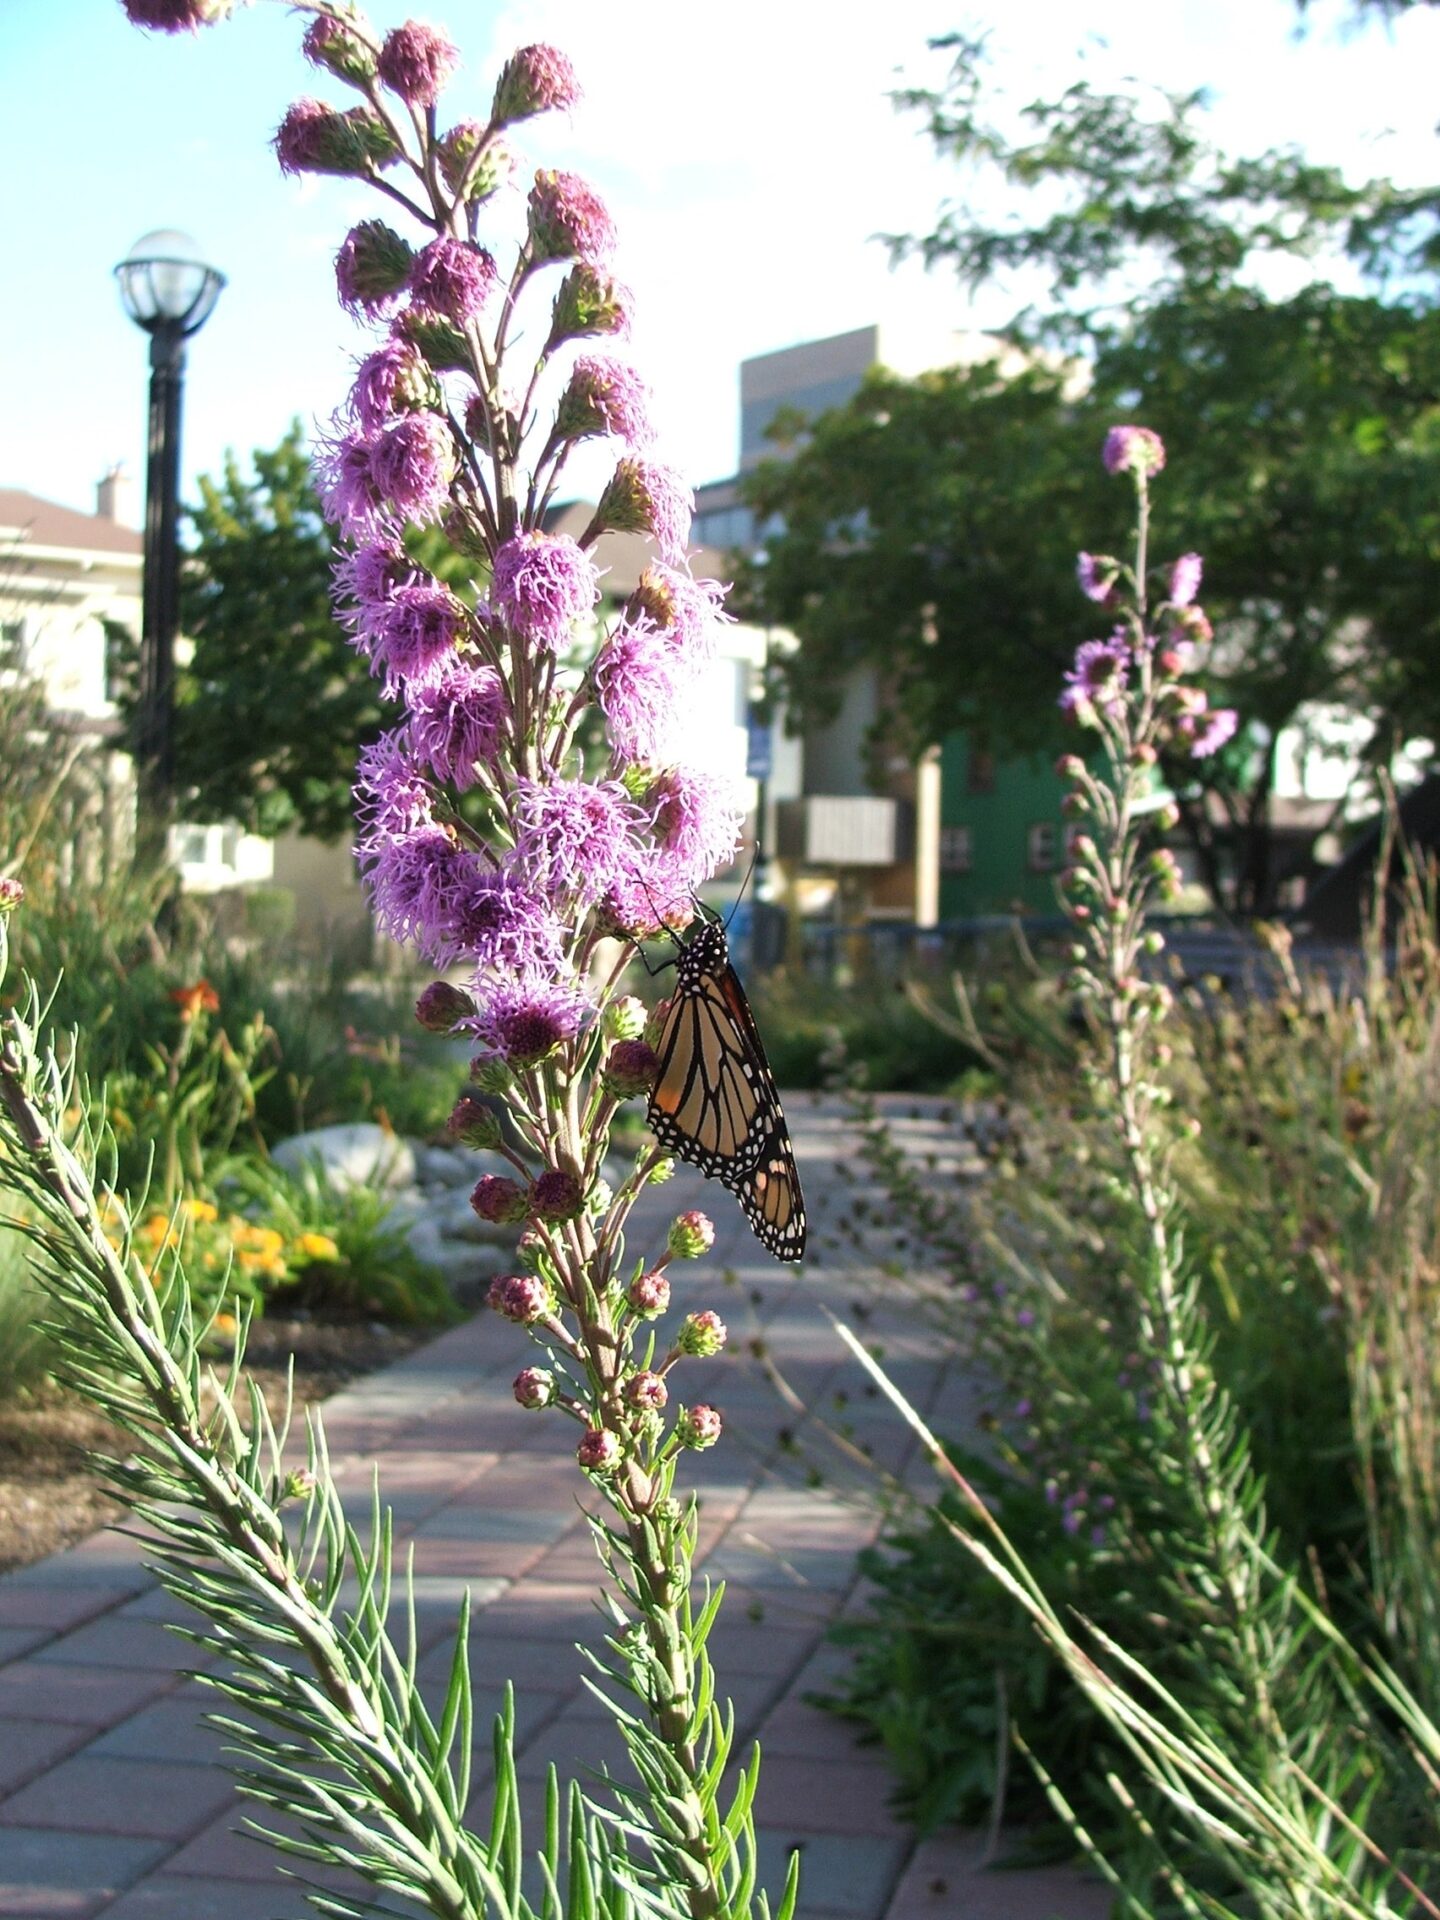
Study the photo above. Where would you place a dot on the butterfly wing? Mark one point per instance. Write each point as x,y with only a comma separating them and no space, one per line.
714,1102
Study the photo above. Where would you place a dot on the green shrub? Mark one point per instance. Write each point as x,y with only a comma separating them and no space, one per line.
878,1025
346,1252
1307,1163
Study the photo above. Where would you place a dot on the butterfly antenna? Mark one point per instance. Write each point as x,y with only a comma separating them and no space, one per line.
744,884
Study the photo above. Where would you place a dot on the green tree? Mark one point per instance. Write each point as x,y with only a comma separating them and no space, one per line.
274,704
929,529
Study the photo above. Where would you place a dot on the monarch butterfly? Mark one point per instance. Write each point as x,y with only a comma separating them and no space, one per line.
714,1101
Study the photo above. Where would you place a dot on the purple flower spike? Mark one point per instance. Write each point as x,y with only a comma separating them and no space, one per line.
453,279
500,923
1210,731
1134,450
391,792
415,633
412,464
415,62
542,584
349,493
1096,575
569,221
1185,579
1097,679
690,611
457,720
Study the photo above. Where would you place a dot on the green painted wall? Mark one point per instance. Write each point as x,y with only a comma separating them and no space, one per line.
1025,792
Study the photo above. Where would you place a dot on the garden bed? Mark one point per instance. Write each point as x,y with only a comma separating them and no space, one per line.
50,1495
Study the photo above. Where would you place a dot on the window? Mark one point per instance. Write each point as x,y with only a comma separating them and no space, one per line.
956,850
12,636
1040,844
980,771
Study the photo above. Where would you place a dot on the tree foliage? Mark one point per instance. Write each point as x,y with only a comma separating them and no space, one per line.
1120,200
929,528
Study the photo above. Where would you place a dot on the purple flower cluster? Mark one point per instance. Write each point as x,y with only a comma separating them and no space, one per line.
453,278
605,396
523,1017
1096,682
415,62
372,483
458,716
534,80
541,585
569,221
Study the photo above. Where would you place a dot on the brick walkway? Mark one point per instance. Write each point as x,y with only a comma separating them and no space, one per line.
112,1798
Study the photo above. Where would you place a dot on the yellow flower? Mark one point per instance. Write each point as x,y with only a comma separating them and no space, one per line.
226,1323
317,1246
202,1211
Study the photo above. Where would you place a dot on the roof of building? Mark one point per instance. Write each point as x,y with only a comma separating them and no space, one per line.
42,523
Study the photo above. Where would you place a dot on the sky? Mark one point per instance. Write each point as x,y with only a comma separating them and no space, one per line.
749,153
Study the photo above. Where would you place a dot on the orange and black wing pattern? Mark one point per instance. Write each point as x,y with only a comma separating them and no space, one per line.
714,1101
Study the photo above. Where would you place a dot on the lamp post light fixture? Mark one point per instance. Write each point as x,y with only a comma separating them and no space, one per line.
167,288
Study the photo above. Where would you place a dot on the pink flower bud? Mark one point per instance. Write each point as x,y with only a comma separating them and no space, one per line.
691,1234
649,1294
415,62
630,1069
441,1007
12,892
599,1451
556,1195
472,1123
698,1427
646,1391
534,1388
371,268
534,80
702,1334
1135,450
500,1200
521,1297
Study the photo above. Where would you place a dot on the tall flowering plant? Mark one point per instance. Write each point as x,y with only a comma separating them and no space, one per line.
513,851
1250,1751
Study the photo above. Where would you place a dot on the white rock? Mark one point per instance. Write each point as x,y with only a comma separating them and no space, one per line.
360,1155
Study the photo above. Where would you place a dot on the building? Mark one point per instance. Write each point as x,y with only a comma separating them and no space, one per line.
69,582
855,843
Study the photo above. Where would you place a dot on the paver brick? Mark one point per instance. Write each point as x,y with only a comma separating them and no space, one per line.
39,1866
56,1605
27,1747
80,1695
167,1896
116,1642
172,1729
144,1799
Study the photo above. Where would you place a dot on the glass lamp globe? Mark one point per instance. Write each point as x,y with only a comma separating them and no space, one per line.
165,281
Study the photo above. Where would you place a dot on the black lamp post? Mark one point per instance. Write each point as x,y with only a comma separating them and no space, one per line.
167,289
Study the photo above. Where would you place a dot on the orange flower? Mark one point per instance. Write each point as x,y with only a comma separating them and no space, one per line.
198,998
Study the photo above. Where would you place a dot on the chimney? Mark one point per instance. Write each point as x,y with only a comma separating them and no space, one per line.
115,497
